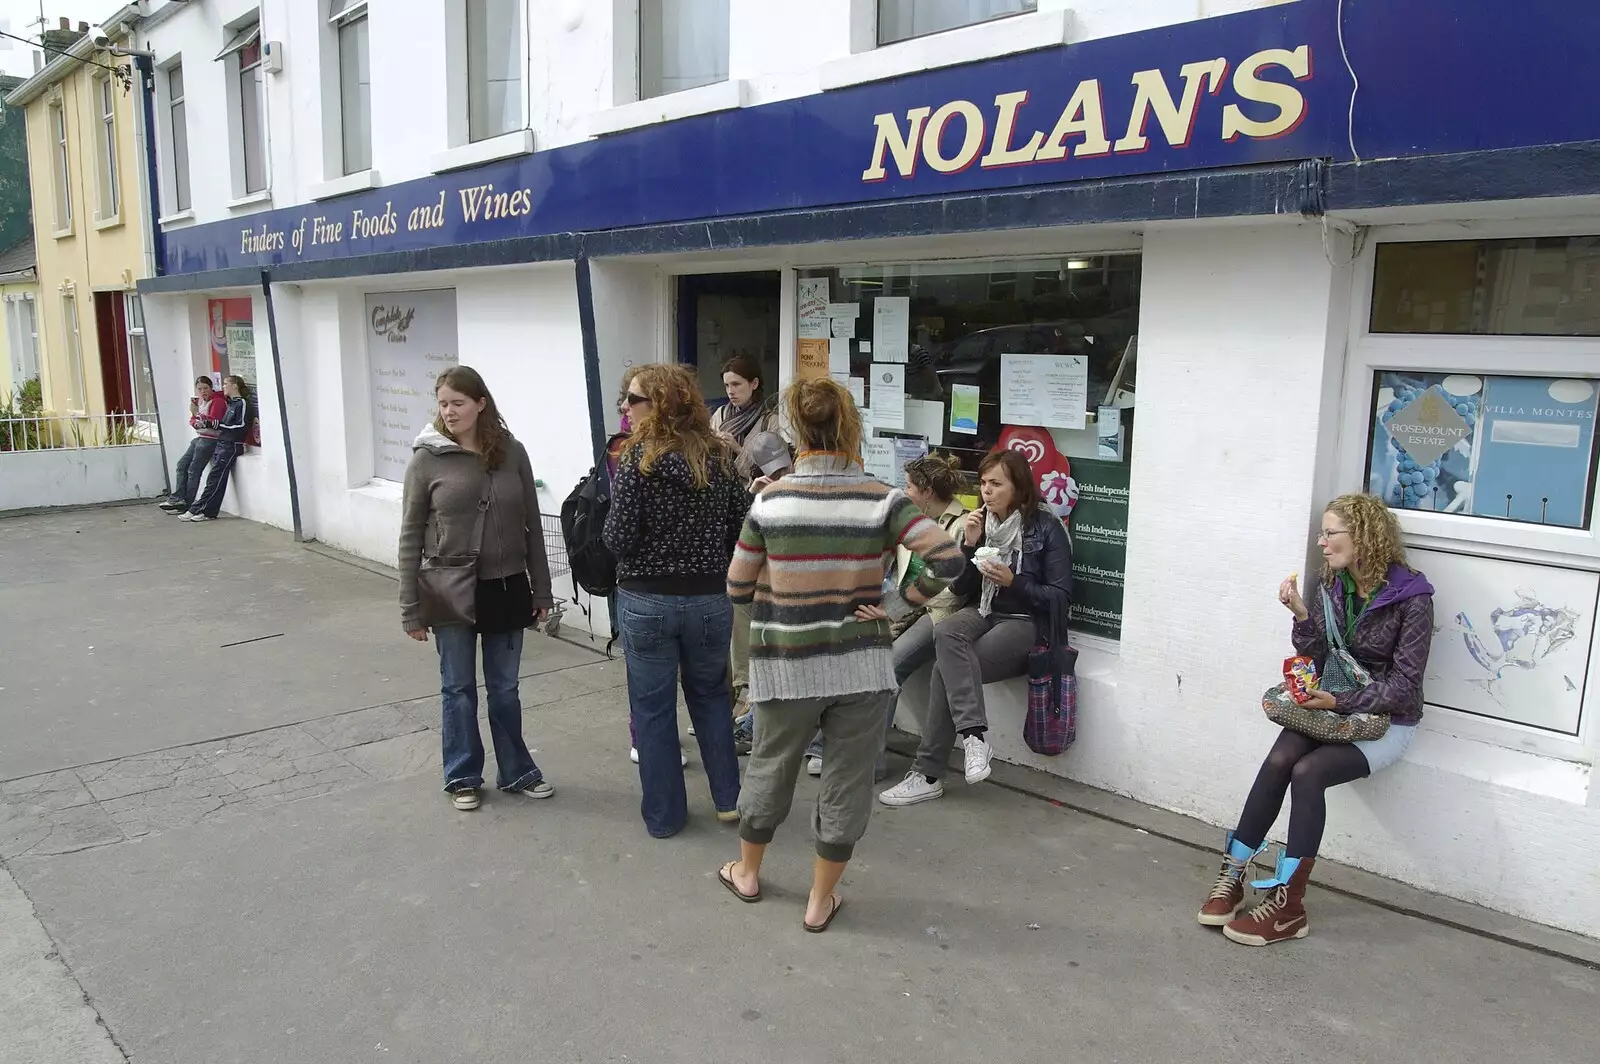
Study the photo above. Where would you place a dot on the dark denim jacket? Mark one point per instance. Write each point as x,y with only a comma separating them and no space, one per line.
1045,579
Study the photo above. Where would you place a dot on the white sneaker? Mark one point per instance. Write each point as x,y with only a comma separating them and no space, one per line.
633,755
813,766
978,754
538,790
911,790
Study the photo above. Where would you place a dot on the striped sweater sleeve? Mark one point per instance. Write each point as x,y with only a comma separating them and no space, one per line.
941,558
749,558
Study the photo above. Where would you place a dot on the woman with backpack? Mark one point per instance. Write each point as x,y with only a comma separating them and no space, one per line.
1383,608
932,482
469,491
677,503
812,553
1017,577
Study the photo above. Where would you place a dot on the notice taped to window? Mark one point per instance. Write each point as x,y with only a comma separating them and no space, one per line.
1047,391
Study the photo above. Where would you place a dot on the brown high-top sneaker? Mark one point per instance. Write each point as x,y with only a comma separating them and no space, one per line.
1225,896
1281,913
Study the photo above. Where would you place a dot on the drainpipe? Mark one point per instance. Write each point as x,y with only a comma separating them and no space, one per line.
283,407
591,353
155,242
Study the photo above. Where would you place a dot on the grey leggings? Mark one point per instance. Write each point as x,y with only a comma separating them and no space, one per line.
970,650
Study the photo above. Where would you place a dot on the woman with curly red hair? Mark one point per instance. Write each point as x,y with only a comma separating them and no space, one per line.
677,504
1383,608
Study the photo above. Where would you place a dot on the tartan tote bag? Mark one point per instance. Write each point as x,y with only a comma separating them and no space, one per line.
1052,721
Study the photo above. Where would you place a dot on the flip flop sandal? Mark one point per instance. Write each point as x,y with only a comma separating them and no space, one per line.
725,877
817,929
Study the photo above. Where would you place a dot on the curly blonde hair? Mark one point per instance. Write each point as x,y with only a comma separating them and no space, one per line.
1374,533
677,421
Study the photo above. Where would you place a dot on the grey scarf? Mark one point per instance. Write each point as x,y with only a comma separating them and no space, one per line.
1006,537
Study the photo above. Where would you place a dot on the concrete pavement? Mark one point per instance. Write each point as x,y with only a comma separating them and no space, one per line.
261,868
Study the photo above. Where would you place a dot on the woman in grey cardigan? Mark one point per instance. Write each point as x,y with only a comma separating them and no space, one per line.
464,461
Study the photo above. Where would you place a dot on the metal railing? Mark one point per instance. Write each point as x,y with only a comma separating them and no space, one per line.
48,432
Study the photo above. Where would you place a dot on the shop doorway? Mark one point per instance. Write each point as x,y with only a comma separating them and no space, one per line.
721,315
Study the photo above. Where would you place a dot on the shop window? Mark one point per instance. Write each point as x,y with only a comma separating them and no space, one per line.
967,358
683,45
900,20
411,339
1547,286
178,138
59,172
105,145
1507,448
349,20
494,68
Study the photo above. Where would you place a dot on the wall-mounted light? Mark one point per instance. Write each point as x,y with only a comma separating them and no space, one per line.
1078,264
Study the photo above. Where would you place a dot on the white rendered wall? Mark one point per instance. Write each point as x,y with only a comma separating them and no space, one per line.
63,476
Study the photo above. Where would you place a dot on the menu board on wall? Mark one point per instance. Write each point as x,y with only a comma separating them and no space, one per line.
1099,546
411,339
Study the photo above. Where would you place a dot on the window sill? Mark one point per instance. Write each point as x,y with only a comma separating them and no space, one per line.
968,44
250,200
107,223
360,181
506,146
382,490
707,99
185,215
61,234
1437,747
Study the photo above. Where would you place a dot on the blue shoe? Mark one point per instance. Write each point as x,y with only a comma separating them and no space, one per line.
1228,893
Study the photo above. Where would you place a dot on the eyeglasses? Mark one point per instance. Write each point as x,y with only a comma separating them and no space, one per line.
1328,533
633,400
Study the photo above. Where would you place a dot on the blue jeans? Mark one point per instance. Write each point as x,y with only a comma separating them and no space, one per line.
192,469
661,635
913,649
458,679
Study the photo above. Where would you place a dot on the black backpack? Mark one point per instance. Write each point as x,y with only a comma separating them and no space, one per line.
583,523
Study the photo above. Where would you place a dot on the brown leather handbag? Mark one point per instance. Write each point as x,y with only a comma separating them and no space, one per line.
447,585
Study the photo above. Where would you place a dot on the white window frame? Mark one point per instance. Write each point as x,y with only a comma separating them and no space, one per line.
61,170
647,46
24,342
246,81
76,379
107,174
1555,356
346,17
180,190
878,12
521,65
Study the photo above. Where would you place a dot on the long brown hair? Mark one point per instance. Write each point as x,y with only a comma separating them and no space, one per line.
492,431
676,423
1024,489
824,417
1375,534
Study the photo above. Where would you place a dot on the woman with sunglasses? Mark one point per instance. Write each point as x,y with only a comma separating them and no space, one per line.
677,505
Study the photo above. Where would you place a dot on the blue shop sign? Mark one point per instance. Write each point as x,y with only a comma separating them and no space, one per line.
1262,86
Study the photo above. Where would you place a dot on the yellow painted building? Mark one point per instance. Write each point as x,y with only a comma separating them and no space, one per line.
91,224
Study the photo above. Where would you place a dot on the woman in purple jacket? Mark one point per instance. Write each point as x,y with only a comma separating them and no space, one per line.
1384,608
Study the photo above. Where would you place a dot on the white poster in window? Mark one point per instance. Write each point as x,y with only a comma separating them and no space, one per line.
241,338
891,328
838,355
411,339
926,419
1511,639
888,383
878,456
1048,391
844,328
813,319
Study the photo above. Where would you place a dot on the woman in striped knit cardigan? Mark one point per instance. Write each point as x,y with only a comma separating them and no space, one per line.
811,557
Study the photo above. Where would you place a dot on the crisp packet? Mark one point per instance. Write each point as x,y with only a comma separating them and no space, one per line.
1300,677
